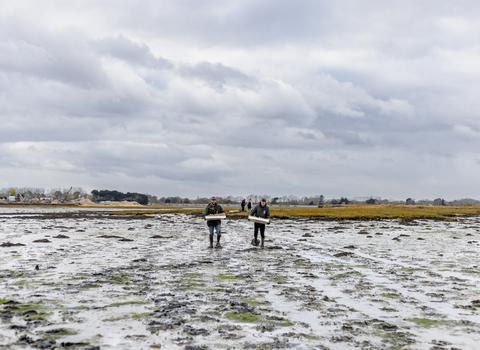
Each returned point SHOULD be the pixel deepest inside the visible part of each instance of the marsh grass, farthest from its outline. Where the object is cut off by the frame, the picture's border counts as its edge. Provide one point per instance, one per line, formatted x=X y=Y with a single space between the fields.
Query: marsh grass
x=346 y=212
x=373 y=212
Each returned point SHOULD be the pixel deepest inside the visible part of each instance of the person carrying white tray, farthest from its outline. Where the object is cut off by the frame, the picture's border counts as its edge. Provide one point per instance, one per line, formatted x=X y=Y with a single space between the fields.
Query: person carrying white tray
x=261 y=211
x=213 y=209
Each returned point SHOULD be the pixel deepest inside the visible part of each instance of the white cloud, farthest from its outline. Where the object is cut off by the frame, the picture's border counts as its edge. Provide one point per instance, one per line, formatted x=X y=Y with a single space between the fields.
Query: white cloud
x=174 y=97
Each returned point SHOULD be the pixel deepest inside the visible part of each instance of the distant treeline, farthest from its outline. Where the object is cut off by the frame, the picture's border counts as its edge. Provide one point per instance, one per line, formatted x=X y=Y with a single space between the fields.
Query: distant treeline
x=284 y=200
x=312 y=200
x=116 y=196
x=30 y=194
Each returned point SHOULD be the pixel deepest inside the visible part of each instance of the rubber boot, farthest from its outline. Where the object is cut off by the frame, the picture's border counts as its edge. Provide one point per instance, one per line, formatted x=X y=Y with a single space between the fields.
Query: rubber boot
x=261 y=244
x=218 y=242
x=211 y=242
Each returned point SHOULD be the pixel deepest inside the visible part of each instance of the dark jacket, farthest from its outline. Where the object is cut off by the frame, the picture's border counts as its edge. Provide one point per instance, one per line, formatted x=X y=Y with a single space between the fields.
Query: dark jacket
x=261 y=212
x=209 y=210
x=249 y=205
x=243 y=204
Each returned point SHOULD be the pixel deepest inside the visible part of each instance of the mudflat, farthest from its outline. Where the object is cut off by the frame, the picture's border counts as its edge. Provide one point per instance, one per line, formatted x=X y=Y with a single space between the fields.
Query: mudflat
x=86 y=279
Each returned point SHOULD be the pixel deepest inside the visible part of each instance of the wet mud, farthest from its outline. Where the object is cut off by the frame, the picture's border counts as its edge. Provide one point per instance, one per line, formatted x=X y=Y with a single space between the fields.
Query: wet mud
x=89 y=280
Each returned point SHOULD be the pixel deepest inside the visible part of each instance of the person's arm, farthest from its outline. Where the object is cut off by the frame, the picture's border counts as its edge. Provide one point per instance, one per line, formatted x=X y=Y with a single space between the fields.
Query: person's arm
x=220 y=209
x=268 y=213
x=205 y=212
x=254 y=211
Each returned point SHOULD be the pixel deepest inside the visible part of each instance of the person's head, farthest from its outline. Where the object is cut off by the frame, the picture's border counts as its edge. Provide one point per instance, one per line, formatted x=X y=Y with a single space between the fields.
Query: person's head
x=263 y=202
x=213 y=200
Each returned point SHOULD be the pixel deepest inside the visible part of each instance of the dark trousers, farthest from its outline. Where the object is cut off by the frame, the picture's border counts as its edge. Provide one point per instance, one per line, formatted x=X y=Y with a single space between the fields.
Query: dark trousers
x=262 y=230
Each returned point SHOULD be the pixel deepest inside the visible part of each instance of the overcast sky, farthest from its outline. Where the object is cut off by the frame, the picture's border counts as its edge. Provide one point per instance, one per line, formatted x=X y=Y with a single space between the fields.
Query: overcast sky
x=200 y=98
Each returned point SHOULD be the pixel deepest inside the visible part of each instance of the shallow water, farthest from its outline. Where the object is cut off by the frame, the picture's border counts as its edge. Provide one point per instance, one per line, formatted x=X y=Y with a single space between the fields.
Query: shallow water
x=324 y=285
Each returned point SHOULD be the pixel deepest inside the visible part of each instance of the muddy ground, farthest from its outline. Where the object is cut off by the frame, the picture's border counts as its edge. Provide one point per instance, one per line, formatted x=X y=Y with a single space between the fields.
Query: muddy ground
x=77 y=279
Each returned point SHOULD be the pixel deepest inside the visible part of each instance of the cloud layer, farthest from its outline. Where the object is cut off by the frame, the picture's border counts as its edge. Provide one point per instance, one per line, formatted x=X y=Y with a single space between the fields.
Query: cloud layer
x=174 y=98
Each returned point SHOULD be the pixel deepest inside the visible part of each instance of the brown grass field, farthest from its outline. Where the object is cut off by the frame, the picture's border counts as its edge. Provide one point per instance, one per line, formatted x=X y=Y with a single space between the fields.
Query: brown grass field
x=346 y=212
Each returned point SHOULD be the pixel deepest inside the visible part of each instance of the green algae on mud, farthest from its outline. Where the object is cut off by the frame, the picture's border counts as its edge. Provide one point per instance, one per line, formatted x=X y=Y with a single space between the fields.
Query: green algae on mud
x=253 y=302
x=133 y=316
x=127 y=303
x=58 y=333
x=114 y=319
x=391 y=295
x=285 y=323
x=38 y=316
x=142 y=315
x=345 y=275
x=428 y=323
x=229 y=277
x=242 y=317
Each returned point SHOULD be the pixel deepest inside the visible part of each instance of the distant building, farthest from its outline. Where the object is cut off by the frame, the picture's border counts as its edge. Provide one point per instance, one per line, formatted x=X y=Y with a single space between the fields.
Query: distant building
x=46 y=198
x=11 y=198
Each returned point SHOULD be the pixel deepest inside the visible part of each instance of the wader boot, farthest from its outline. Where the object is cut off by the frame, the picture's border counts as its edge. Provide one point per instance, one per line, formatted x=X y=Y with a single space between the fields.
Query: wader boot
x=218 y=242
x=211 y=242
x=254 y=242
x=261 y=244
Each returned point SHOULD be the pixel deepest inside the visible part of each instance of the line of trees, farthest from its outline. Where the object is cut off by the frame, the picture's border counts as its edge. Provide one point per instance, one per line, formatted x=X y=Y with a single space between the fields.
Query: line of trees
x=285 y=200
x=116 y=196
x=73 y=193
x=30 y=193
x=312 y=200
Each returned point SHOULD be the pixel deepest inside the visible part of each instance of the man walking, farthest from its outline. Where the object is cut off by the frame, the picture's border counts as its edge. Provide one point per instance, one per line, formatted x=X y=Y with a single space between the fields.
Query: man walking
x=261 y=211
x=212 y=209
x=243 y=205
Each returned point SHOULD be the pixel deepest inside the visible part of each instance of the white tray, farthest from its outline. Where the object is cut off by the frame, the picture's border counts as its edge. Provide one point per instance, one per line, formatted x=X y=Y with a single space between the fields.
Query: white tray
x=259 y=220
x=215 y=217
